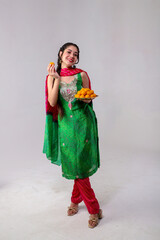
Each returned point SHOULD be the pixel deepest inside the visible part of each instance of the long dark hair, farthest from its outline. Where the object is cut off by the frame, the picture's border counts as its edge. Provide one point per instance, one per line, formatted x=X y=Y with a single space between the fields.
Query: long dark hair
x=58 y=70
x=62 y=50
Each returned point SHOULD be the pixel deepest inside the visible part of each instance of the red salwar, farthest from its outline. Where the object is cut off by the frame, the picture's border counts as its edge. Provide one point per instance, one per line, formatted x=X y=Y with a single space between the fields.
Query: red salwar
x=82 y=191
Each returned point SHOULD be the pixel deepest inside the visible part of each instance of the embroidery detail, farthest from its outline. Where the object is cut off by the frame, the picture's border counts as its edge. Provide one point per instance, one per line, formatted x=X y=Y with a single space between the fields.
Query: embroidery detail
x=68 y=90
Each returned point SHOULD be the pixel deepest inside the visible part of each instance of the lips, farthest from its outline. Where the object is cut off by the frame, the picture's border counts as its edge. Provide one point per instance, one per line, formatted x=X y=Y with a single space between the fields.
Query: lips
x=70 y=60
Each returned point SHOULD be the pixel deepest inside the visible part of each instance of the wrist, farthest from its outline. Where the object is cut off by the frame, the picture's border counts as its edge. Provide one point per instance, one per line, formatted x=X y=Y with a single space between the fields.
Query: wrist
x=51 y=76
x=57 y=79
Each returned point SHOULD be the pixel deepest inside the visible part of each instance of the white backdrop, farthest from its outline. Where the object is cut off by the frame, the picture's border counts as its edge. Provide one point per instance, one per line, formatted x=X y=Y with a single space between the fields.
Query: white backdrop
x=119 y=48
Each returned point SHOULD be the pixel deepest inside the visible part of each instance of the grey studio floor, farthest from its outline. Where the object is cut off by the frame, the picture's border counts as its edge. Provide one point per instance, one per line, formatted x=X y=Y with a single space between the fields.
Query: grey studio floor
x=34 y=200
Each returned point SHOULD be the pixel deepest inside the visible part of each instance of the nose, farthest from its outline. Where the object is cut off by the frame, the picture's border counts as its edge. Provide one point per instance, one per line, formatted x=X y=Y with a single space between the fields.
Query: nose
x=72 y=55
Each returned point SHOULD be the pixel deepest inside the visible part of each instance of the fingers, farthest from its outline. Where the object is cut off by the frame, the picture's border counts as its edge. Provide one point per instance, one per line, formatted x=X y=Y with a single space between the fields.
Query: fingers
x=51 y=69
x=86 y=101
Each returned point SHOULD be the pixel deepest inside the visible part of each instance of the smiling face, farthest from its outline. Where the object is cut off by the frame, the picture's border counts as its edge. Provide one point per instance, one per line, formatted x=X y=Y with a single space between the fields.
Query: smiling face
x=69 y=57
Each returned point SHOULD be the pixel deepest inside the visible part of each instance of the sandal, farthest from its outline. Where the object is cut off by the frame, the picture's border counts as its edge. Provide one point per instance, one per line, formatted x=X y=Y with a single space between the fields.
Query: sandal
x=93 y=220
x=72 y=210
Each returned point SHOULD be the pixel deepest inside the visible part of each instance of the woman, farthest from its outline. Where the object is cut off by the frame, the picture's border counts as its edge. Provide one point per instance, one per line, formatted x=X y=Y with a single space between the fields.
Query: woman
x=71 y=136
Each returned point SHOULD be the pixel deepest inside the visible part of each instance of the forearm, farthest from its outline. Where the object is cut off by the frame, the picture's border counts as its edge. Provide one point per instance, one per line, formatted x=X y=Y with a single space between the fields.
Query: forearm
x=85 y=84
x=53 y=87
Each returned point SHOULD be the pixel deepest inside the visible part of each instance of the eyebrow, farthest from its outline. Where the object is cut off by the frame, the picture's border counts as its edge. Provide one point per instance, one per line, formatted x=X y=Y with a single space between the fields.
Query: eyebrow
x=71 y=50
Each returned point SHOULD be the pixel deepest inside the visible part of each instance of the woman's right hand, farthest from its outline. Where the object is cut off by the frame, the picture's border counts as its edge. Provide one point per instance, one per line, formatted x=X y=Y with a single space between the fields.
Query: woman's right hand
x=52 y=72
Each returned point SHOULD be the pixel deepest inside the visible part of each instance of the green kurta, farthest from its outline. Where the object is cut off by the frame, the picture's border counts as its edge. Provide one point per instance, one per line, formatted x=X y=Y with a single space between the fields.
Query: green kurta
x=78 y=134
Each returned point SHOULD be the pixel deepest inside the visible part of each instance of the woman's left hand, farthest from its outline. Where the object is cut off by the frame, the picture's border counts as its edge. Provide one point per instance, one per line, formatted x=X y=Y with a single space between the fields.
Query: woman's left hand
x=86 y=101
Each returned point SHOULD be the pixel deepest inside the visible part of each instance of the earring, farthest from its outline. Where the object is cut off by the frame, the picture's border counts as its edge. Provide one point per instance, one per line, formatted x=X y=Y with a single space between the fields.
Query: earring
x=60 y=61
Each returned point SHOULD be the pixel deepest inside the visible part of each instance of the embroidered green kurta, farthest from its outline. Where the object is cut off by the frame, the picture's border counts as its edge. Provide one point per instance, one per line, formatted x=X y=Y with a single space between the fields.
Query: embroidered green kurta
x=77 y=133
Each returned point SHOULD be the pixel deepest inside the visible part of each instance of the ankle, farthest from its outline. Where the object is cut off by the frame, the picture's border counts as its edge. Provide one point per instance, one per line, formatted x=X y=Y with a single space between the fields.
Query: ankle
x=94 y=215
x=74 y=204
